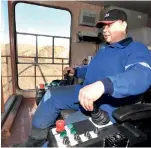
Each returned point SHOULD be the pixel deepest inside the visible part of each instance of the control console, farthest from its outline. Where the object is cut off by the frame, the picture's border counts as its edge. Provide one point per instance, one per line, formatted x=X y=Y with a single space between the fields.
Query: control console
x=97 y=131
x=74 y=134
x=87 y=134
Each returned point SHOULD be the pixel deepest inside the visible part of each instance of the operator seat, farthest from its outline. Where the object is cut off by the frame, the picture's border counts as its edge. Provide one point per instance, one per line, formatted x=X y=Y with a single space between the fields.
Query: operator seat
x=147 y=96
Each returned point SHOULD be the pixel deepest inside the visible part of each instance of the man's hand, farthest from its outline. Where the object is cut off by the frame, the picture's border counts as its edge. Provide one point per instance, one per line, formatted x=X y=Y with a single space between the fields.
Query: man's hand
x=90 y=94
x=66 y=69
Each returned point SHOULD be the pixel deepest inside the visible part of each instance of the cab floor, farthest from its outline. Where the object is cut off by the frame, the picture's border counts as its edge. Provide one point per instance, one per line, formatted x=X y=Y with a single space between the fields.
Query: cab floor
x=22 y=124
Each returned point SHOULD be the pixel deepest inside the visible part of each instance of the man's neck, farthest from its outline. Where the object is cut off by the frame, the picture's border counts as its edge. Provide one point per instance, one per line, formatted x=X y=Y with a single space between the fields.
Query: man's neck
x=120 y=39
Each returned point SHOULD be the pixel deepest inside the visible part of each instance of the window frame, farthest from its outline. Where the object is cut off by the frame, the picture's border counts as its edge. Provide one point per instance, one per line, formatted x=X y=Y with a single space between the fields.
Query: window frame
x=15 y=36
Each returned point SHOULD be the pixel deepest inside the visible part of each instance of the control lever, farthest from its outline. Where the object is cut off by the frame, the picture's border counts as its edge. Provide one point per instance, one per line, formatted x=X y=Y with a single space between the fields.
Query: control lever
x=68 y=79
x=66 y=75
x=99 y=116
x=95 y=108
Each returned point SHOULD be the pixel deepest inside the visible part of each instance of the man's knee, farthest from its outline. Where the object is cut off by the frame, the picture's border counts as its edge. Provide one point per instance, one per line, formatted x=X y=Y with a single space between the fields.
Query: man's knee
x=47 y=95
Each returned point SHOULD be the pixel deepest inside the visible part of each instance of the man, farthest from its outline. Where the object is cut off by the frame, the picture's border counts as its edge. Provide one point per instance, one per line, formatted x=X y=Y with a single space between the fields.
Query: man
x=116 y=75
x=85 y=62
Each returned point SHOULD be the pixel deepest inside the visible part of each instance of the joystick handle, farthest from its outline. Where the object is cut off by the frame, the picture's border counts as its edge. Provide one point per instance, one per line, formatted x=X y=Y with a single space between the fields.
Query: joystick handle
x=69 y=79
x=99 y=116
x=66 y=75
x=95 y=108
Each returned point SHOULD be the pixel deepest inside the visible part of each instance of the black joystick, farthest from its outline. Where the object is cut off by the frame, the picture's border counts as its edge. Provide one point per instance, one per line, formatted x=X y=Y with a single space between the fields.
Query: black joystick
x=66 y=75
x=68 y=79
x=99 y=117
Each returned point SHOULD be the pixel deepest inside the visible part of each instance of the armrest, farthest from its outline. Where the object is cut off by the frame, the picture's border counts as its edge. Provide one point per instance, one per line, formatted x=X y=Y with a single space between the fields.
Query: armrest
x=132 y=112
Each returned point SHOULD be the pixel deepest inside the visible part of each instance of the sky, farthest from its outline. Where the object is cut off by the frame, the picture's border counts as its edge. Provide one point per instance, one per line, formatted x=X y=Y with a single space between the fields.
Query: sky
x=40 y=20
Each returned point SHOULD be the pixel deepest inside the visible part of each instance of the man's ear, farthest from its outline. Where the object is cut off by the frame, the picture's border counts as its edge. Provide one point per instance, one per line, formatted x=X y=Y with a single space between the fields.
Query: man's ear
x=124 y=25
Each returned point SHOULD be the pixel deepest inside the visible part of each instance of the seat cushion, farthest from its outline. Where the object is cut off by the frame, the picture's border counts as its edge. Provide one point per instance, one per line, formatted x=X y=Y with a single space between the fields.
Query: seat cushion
x=66 y=113
x=72 y=116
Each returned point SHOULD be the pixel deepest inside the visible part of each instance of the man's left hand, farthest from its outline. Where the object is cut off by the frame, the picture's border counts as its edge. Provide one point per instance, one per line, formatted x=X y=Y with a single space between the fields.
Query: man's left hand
x=90 y=94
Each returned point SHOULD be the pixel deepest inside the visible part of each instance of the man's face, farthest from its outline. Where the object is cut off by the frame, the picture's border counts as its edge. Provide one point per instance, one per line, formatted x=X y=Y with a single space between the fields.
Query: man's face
x=114 y=32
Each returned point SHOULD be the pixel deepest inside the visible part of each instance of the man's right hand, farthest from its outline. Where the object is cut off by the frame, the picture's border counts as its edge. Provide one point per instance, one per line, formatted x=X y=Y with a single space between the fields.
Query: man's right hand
x=66 y=69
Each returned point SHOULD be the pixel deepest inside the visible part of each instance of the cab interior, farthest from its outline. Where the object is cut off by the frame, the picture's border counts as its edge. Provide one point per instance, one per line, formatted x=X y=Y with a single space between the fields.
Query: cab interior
x=37 y=46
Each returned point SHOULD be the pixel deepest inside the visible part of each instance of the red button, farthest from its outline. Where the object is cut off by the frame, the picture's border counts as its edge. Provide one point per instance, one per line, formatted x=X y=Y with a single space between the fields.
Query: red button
x=41 y=86
x=60 y=125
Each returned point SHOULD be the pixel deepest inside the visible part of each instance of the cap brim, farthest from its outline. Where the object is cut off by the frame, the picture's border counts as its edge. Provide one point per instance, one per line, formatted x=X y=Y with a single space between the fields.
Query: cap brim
x=101 y=23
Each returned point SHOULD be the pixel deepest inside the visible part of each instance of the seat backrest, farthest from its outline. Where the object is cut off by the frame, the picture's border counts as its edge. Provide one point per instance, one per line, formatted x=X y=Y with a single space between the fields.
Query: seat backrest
x=142 y=35
x=147 y=96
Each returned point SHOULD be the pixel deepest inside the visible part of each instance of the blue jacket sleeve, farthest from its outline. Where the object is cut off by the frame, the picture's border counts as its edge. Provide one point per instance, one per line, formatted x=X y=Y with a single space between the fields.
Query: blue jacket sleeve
x=137 y=76
x=134 y=81
x=81 y=71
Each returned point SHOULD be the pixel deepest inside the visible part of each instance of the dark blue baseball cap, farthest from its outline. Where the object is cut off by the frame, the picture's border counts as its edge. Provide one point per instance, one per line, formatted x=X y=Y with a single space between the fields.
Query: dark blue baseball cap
x=111 y=17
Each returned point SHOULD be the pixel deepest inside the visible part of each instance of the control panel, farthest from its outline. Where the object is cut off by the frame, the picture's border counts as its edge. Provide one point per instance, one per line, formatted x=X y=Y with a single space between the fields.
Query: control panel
x=74 y=134
x=70 y=136
x=97 y=131
x=87 y=134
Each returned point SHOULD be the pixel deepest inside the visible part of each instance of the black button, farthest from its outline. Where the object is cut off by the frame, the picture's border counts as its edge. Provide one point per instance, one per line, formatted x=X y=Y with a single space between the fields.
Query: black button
x=118 y=136
x=96 y=131
x=66 y=140
x=87 y=134
x=77 y=138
